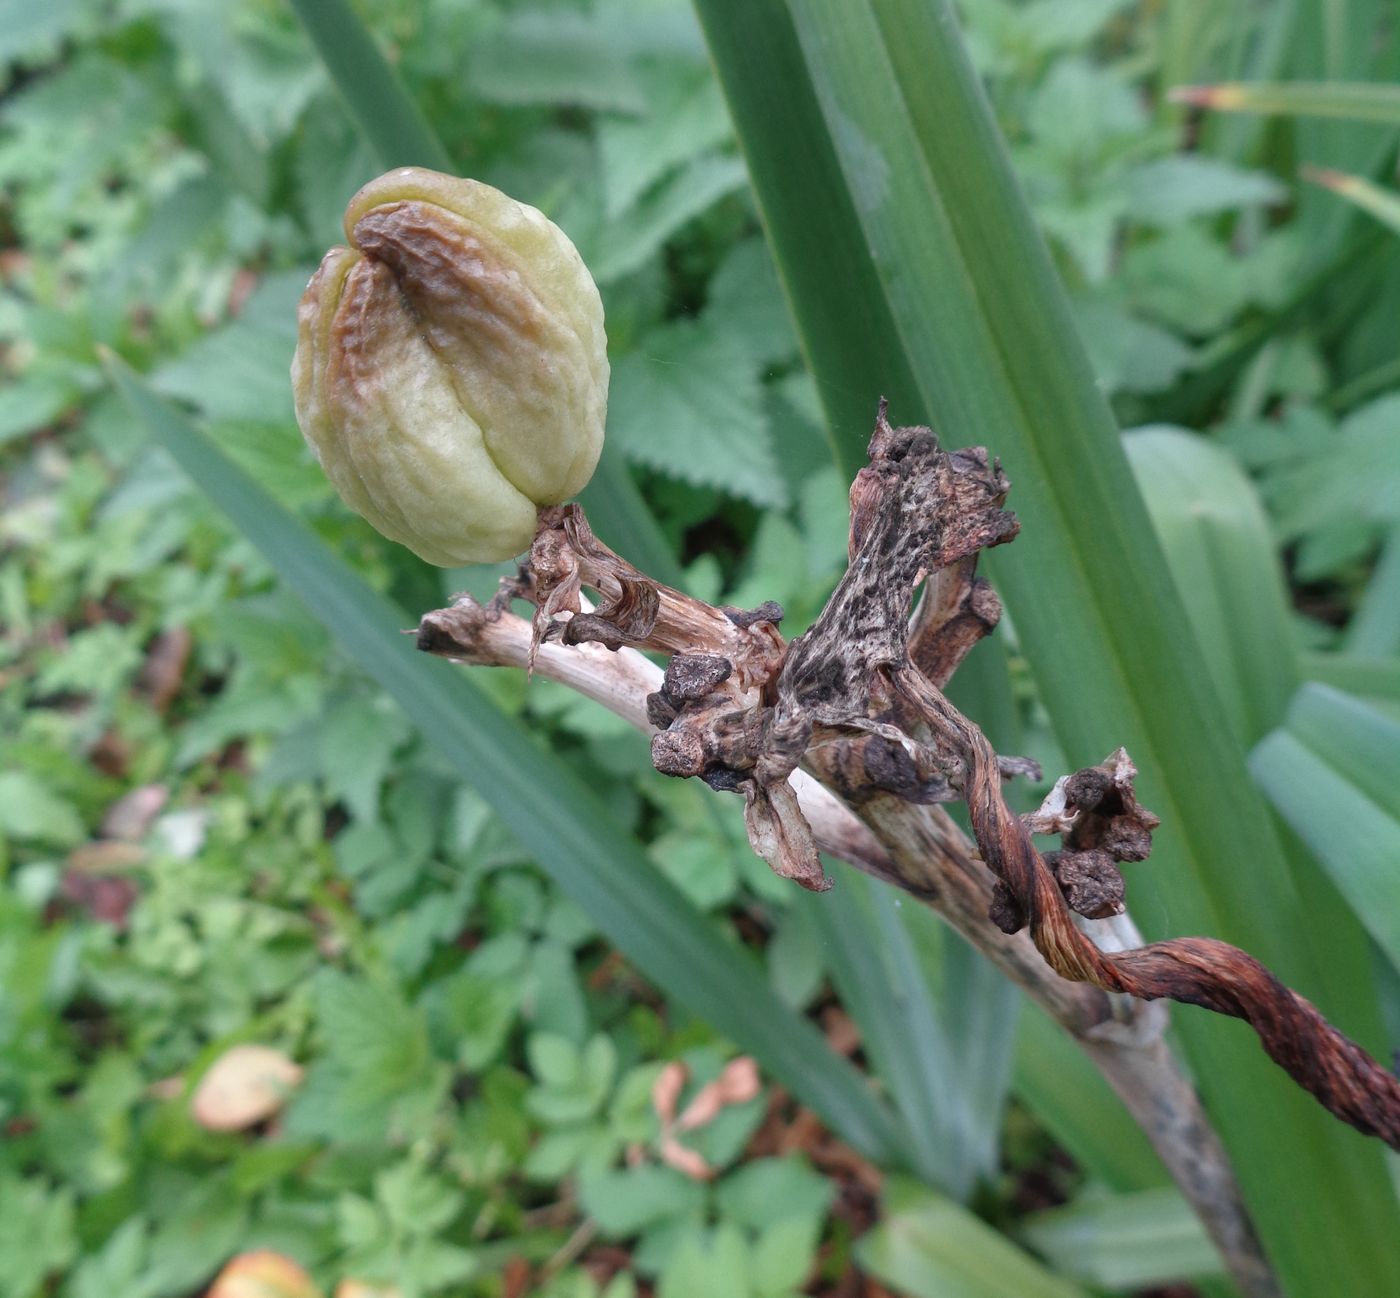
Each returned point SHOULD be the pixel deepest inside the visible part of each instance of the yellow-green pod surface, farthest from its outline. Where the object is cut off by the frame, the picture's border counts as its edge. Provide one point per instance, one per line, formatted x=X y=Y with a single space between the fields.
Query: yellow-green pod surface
x=451 y=369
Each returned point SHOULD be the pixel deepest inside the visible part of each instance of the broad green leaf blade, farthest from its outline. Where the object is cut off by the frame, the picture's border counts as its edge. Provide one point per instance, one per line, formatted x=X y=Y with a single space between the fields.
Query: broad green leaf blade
x=1219 y=547
x=903 y=177
x=927 y=1246
x=1374 y=679
x=1333 y=773
x=1125 y=1241
x=810 y=215
x=553 y=813
x=383 y=112
x=877 y=973
x=1352 y=101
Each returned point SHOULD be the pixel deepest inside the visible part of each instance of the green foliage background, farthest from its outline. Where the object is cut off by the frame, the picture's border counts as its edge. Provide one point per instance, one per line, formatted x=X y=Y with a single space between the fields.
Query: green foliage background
x=314 y=875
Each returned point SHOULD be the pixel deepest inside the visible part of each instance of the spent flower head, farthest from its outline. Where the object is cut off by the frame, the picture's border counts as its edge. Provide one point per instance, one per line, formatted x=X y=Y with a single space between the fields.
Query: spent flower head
x=451 y=369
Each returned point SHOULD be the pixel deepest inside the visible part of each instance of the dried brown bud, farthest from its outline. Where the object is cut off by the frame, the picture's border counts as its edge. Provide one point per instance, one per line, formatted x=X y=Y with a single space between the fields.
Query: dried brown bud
x=451 y=370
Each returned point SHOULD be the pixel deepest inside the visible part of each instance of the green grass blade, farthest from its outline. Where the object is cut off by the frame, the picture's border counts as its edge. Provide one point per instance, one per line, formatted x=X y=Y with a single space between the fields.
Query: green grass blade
x=1351 y=101
x=550 y=809
x=952 y=264
x=384 y=114
x=1383 y=204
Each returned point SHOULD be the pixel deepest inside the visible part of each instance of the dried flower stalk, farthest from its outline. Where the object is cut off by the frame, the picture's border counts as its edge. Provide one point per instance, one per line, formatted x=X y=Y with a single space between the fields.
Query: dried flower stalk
x=857 y=702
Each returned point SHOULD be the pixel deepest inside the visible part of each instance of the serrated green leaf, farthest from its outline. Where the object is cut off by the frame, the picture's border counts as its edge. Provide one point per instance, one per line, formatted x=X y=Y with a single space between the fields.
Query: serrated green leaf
x=1049 y=25
x=613 y=249
x=626 y=1202
x=33 y=401
x=470 y=1016
x=1186 y=280
x=36 y=1232
x=240 y=371
x=765 y=1191
x=255 y=58
x=684 y=118
x=745 y=301
x=332 y=161
x=1129 y=354
x=557 y=57
x=117 y=1267
x=1080 y=106
x=31 y=811
x=377 y=1070
x=35 y=32
x=1168 y=190
x=357 y=743
x=414 y=1200
x=688 y=403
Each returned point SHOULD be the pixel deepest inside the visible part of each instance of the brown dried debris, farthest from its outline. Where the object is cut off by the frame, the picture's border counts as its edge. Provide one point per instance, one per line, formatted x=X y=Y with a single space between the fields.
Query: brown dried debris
x=857 y=700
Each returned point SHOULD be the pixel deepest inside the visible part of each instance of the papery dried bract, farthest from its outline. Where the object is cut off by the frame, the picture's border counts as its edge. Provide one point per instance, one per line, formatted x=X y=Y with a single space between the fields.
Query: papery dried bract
x=451 y=369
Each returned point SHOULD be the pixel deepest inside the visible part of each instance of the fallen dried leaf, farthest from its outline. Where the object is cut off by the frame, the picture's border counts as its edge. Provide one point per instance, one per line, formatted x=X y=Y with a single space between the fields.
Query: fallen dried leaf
x=666 y=1091
x=246 y=1085
x=685 y=1159
x=739 y=1082
x=263 y=1275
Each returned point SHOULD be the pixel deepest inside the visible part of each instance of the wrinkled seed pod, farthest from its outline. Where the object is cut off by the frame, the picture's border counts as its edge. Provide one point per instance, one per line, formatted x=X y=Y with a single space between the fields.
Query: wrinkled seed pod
x=451 y=369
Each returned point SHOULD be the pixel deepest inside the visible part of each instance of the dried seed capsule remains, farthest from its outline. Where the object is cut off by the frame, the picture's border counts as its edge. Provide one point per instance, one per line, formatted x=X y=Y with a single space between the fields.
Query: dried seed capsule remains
x=451 y=368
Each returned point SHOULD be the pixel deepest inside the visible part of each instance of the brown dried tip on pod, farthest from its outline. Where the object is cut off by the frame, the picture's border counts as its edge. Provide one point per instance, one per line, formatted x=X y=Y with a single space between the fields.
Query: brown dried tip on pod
x=451 y=370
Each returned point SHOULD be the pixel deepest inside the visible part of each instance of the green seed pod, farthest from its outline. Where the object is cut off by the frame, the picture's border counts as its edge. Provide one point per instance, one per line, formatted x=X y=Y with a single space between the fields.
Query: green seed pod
x=451 y=370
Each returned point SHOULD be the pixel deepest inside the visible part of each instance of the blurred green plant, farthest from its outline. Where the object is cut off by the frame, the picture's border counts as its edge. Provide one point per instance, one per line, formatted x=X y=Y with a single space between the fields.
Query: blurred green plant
x=214 y=829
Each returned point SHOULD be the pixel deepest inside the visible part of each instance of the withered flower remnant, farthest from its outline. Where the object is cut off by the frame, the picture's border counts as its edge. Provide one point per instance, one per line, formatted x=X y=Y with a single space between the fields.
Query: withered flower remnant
x=451 y=369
